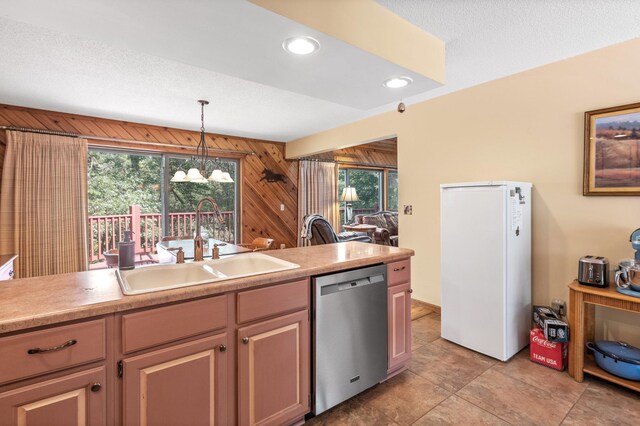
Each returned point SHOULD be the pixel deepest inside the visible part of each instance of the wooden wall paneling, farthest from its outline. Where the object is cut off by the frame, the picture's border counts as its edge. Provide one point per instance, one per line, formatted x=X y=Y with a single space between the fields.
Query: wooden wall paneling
x=383 y=152
x=260 y=213
x=260 y=201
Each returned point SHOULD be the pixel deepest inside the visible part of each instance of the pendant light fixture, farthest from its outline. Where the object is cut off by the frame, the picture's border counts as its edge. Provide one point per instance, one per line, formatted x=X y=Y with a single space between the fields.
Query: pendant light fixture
x=202 y=156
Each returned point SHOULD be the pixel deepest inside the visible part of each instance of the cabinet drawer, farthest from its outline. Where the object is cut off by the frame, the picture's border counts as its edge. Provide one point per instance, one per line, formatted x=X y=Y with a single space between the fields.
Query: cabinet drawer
x=399 y=272
x=265 y=302
x=38 y=352
x=154 y=327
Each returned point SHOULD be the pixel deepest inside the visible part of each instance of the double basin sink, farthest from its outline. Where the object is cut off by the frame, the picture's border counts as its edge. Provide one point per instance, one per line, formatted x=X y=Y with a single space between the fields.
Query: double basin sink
x=152 y=278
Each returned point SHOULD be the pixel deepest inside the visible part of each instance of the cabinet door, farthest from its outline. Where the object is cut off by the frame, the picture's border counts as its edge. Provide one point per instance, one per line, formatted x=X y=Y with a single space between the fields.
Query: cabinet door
x=180 y=385
x=76 y=399
x=273 y=370
x=399 y=325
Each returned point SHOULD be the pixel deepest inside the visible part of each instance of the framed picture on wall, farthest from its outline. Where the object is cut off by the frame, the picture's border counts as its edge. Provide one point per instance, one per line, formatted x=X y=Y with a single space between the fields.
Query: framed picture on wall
x=612 y=151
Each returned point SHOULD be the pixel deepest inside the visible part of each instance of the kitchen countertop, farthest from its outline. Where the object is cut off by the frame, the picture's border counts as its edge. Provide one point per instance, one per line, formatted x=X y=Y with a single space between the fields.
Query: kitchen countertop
x=33 y=302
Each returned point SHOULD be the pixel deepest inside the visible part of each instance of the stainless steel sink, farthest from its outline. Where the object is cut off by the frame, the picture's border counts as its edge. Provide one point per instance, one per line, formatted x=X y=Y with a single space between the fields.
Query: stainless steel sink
x=147 y=279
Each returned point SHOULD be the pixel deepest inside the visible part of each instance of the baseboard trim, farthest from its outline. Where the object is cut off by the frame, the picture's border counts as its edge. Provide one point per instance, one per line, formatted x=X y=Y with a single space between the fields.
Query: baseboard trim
x=420 y=309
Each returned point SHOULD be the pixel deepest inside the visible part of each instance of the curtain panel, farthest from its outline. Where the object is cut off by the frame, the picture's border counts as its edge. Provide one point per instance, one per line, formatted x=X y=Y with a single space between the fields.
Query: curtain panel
x=317 y=193
x=43 y=203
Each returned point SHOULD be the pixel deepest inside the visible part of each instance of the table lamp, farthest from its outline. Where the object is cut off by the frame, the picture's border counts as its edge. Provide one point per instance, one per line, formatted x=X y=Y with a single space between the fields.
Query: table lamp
x=348 y=196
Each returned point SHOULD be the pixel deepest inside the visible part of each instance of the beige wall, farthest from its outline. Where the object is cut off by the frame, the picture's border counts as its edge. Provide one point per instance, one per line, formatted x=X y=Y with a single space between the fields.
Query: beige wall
x=526 y=127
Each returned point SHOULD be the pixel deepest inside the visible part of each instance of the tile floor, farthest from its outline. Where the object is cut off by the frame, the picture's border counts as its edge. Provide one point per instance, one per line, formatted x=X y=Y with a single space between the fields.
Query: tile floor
x=448 y=384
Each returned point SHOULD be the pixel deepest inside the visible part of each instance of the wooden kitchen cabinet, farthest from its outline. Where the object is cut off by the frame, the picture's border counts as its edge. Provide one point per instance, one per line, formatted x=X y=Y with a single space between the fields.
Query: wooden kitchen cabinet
x=273 y=370
x=399 y=315
x=183 y=384
x=74 y=399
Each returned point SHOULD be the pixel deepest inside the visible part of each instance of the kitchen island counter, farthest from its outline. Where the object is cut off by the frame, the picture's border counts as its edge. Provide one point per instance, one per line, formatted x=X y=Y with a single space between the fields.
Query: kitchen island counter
x=39 y=301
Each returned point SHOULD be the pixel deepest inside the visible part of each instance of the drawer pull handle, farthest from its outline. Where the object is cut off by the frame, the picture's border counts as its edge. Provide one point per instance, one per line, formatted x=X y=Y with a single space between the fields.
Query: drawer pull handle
x=54 y=348
x=96 y=387
x=399 y=269
x=410 y=290
x=245 y=340
x=223 y=348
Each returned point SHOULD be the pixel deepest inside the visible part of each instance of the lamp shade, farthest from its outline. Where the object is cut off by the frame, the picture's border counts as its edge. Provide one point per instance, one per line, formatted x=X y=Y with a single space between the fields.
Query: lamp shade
x=216 y=175
x=226 y=177
x=194 y=175
x=179 y=176
x=349 y=194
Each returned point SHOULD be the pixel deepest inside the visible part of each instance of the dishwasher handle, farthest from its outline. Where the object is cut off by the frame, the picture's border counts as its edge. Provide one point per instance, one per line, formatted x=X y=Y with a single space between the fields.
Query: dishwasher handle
x=331 y=288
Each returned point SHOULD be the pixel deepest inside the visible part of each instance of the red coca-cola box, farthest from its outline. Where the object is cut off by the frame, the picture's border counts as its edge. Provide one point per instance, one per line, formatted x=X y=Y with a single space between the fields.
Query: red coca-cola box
x=550 y=354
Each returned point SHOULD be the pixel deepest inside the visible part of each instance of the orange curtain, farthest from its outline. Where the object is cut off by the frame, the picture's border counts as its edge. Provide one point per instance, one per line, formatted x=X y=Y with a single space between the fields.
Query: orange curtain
x=318 y=193
x=43 y=203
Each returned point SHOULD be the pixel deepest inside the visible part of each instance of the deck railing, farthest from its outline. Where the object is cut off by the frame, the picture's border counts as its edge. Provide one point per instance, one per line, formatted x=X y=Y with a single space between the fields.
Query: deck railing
x=106 y=231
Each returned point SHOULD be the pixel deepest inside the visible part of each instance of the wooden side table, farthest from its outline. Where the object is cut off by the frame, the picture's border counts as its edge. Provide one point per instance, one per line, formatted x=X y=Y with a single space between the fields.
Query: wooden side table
x=582 y=303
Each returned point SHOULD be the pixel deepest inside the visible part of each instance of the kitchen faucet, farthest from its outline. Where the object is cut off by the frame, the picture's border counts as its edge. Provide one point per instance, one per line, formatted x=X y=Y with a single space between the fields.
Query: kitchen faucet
x=198 y=243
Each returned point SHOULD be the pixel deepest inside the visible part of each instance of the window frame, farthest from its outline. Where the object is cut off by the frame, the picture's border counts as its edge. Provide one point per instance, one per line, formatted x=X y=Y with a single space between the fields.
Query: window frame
x=164 y=178
x=383 y=182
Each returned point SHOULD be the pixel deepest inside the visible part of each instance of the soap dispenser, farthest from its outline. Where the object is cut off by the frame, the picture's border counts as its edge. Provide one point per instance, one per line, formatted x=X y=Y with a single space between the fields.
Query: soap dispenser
x=126 y=252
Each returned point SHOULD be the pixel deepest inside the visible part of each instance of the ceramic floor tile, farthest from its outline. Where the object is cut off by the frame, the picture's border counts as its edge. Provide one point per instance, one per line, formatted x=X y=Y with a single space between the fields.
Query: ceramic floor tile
x=515 y=401
x=461 y=350
x=456 y=411
x=449 y=368
x=351 y=413
x=604 y=403
x=404 y=398
x=545 y=378
x=416 y=343
x=523 y=353
x=425 y=330
x=585 y=416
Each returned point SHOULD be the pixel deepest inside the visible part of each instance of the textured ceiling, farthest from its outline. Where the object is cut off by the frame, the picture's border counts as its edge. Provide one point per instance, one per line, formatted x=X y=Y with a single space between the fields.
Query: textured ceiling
x=149 y=62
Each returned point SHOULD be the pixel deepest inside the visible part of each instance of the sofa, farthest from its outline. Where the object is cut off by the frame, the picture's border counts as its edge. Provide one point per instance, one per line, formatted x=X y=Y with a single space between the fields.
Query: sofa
x=386 y=223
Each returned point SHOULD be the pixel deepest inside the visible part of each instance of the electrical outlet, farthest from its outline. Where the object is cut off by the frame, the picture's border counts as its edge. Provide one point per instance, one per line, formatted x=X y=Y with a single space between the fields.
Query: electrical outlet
x=281 y=207
x=560 y=306
x=282 y=246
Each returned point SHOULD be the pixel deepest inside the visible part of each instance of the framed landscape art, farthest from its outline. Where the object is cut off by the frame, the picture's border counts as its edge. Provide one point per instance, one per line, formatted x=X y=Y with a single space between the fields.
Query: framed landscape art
x=612 y=151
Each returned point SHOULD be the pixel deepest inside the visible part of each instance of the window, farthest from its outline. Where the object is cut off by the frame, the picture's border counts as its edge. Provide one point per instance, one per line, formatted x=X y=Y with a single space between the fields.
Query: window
x=183 y=197
x=131 y=190
x=370 y=186
x=392 y=190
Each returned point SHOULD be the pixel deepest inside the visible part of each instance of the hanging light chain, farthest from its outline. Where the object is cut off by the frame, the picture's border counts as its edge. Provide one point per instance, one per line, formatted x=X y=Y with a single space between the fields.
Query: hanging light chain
x=202 y=149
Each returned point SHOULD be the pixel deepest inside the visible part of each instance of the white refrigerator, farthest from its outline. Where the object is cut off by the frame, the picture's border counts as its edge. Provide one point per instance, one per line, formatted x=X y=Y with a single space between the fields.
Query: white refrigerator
x=486 y=266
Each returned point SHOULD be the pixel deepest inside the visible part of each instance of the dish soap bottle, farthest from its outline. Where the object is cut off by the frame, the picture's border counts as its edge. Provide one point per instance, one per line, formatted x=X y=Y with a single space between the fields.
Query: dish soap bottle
x=126 y=252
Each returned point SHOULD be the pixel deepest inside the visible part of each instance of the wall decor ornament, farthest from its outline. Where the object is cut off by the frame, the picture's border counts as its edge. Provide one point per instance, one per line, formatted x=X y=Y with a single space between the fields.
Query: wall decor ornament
x=271 y=176
x=612 y=151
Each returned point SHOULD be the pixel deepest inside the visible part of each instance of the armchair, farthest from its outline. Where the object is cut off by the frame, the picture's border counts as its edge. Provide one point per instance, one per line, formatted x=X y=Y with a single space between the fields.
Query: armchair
x=321 y=232
x=386 y=223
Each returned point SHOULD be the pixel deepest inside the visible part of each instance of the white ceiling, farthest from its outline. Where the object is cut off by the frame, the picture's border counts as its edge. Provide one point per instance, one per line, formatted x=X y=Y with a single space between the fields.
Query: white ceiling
x=148 y=61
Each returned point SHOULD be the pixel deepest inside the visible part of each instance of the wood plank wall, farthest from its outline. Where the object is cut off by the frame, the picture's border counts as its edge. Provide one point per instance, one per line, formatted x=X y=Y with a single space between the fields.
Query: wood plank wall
x=260 y=201
x=383 y=152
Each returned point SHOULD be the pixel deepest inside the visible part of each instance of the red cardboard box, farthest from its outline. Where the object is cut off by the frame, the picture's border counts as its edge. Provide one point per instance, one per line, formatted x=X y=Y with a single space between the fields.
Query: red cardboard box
x=542 y=351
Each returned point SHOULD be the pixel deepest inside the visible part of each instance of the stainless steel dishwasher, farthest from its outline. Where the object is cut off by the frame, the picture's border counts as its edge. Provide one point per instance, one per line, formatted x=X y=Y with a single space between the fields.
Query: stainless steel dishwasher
x=350 y=334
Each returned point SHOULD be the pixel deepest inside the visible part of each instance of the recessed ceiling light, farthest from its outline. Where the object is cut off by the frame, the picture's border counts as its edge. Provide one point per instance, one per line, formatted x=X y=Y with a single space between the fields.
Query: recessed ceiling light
x=301 y=45
x=397 y=82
